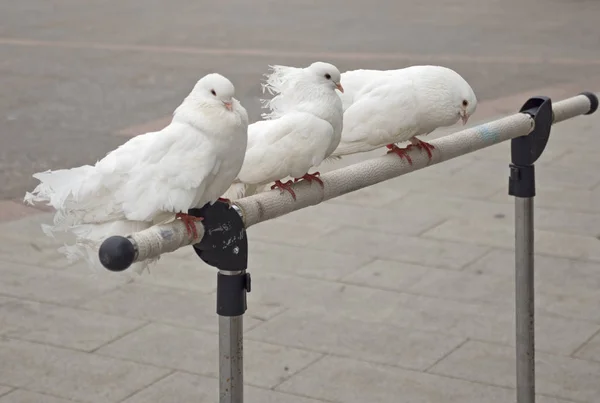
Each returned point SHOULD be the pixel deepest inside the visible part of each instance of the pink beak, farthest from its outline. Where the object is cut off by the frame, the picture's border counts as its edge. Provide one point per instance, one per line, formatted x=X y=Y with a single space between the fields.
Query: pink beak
x=464 y=118
x=339 y=87
x=228 y=106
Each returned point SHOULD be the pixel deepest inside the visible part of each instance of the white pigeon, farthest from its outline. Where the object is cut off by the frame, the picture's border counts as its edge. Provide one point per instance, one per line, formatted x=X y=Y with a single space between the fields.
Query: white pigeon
x=303 y=128
x=382 y=108
x=153 y=178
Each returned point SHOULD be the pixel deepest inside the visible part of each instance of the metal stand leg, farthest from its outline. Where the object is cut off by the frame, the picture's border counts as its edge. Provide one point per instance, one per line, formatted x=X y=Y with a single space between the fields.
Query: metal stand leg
x=524 y=295
x=231 y=359
x=225 y=247
x=231 y=305
x=525 y=151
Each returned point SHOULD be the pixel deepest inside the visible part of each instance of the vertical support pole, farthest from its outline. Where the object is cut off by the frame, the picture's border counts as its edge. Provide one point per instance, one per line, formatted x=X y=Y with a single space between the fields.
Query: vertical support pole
x=231 y=359
x=225 y=247
x=231 y=305
x=524 y=152
x=524 y=299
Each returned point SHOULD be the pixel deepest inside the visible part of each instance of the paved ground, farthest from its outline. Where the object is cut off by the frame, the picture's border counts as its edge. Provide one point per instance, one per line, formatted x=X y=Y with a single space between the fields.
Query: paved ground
x=399 y=293
x=402 y=292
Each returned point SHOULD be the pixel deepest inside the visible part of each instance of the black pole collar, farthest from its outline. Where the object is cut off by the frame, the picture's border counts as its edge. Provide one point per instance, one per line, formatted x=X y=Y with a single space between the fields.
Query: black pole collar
x=225 y=246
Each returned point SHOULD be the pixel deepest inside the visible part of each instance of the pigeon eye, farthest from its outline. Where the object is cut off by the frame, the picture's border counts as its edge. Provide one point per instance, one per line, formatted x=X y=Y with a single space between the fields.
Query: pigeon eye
x=327 y=76
x=465 y=103
x=213 y=92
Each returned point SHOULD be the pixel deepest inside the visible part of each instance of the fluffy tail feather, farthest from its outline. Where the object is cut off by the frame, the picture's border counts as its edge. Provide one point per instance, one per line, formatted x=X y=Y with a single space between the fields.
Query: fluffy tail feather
x=57 y=187
x=77 y=196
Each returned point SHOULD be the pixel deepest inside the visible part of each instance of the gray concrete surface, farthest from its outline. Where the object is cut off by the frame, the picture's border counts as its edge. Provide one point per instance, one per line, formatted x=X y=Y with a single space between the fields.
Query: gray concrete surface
x=402 y=292
x=399 y=293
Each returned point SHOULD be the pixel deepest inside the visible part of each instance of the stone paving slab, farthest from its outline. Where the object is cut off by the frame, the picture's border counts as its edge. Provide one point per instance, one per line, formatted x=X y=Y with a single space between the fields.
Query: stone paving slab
x=183 y=387
x=567 y=287
x=566 y=221
x=326 y=298
x=558 y=376
x=24 y=396
x=492 y=233
x=161 y=304
x=591 y=351
x=268 y=364
x=330 y=217
x=38 y=284
x=480 y=321
x=584 y=160
x=352 y=338
x=453 y=255
x=352 y=381
x=324 y=264
x=70 y=374
x=61 y=326
x=5 y=390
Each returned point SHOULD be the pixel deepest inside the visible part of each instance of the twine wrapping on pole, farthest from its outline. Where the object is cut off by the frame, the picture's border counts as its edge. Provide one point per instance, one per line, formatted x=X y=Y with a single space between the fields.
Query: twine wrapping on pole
x=157 y=240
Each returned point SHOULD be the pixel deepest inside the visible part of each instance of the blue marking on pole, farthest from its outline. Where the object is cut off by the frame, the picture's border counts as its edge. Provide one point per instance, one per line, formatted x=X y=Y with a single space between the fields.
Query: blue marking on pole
x=489 y=136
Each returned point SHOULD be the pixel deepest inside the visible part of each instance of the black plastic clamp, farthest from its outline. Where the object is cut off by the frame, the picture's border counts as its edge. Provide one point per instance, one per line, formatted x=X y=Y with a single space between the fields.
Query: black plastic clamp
x=225 y=246
x=526 y=150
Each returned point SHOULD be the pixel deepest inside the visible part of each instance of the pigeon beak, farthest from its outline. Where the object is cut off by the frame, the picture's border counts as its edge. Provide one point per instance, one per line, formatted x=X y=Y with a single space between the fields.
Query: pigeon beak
x=339 y=87
x=228 y=105
x=464 y=117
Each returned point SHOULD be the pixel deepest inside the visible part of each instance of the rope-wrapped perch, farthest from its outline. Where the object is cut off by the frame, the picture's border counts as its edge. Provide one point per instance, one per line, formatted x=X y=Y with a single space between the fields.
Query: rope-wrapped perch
x=269 y=205
x=264 y=206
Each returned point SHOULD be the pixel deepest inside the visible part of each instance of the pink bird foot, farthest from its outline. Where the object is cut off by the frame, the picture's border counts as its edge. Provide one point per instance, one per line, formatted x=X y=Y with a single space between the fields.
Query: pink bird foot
x=312 y=177
x=422 y=145
x=401 y=152
x=190 y=223
x=285 y=186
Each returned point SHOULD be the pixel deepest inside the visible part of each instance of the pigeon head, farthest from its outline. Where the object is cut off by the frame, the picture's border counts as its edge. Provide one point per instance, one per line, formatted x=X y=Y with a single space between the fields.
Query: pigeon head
x=462 y=99
x=214 y=89
x=326 y=74
x=465 y=97
x=445 y=96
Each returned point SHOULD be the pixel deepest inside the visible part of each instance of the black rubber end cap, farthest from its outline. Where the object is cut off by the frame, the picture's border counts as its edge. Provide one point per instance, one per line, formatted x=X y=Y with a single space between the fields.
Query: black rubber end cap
x=116 y=253
x=593 y=102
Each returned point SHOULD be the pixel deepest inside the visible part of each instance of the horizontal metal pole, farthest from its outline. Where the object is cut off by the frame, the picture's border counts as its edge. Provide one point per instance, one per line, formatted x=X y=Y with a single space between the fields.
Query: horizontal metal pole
x=268 y=205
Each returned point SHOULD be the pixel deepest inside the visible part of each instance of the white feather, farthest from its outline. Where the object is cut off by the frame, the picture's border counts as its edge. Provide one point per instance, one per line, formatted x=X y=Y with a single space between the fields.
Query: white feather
x=302 y=129
x=151 y=177
x=387 y=107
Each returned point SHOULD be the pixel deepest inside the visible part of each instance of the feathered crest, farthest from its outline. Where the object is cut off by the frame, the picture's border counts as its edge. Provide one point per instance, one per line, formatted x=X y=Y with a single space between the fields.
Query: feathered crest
x=280 y=83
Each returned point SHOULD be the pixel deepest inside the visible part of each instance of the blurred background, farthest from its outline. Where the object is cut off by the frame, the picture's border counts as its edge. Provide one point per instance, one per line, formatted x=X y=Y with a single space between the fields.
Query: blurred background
x=79 y=77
